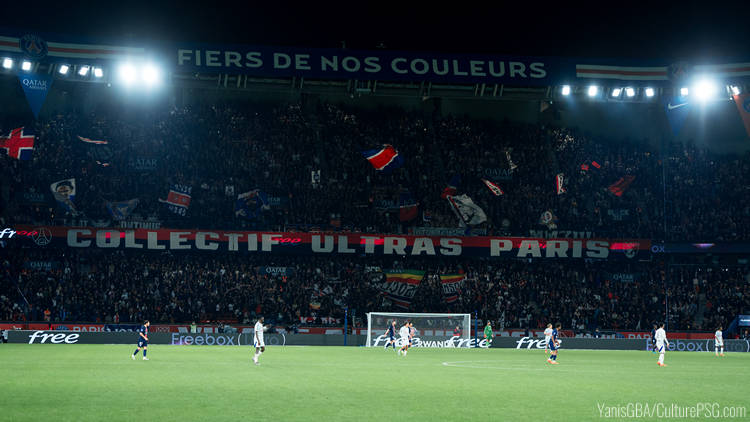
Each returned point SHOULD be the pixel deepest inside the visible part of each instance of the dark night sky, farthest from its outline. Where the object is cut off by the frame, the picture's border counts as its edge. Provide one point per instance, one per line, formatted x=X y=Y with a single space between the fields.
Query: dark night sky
x=690 y=30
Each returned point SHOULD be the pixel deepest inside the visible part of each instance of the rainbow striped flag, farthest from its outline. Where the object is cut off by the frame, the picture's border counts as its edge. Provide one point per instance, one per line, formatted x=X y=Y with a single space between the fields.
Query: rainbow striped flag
x=400 y=287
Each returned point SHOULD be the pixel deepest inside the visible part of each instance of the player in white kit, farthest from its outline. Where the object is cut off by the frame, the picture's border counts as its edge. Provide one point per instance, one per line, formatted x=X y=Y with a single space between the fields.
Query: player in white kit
x=661 y=344
x=547 y=336
x=260 y=344
x=405 y=334
x=719 y=342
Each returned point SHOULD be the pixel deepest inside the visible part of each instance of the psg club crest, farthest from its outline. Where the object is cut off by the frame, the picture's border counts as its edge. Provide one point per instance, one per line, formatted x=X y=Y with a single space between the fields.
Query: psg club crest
x=679 y=71
x=33 y=46
x=43 y=237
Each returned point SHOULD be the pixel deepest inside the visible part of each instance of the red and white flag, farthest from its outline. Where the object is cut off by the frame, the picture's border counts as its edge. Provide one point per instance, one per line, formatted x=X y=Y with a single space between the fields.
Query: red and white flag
x=495 y=189
x=92 y=141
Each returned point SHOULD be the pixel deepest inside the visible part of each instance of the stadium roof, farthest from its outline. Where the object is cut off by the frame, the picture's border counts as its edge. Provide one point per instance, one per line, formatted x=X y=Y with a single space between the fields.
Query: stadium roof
x=691 y=30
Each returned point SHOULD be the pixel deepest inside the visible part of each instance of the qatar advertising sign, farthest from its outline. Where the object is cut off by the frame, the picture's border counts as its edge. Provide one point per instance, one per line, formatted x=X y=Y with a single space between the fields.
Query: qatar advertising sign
x=294 y=243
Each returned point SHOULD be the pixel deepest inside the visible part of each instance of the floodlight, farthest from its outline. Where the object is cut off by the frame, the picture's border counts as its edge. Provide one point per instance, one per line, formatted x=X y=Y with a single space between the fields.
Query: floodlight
x=150 y=74
x=83 y=70
x=566 y=90
x=63 y=69
x=127 y=74
x=735 y=90
x=7 y=63
x=684 y=91
x=593 y=90
x=649 y=92
x=630 y=92
x=26 y=65
x=705 y=89
x=98 y=73
x=616 y=92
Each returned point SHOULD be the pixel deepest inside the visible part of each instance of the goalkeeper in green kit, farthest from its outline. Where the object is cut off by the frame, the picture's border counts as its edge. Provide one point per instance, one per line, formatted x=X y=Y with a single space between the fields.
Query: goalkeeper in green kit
x=488 y=333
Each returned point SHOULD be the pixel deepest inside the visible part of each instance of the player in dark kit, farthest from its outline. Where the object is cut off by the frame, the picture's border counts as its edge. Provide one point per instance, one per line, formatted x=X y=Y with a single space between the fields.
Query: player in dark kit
x=554 y=344
x=142 y=340
x=391 y=333
x=653 y=339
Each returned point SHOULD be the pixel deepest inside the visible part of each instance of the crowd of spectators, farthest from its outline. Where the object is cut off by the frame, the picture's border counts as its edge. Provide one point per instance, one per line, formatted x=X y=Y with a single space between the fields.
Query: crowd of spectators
x=224 y=150
x=126 y=286
x=677 y=192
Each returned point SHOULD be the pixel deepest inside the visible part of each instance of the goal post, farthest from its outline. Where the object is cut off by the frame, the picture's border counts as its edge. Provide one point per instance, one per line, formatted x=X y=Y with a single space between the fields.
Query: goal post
x=432 y=330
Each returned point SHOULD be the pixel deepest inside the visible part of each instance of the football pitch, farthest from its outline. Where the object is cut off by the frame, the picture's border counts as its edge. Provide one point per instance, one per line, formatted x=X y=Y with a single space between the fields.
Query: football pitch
x=185 y=383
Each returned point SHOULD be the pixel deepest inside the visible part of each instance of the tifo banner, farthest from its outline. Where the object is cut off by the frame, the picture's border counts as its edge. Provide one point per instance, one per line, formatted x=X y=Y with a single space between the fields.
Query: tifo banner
x=295 y=243
x=36 y=87
x=401 y=286
x=452 y=285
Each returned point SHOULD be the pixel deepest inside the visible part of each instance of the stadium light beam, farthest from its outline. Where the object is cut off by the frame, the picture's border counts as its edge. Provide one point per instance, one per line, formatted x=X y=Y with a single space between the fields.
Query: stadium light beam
x=630 y=92
x=705 y=89
x=593 y=90
x=26 y=65
x=127 y=74
x=63 y=69
x=566 y=90
x=7 y=63
x=83 y=70
x=649 y=92
x=616 y=92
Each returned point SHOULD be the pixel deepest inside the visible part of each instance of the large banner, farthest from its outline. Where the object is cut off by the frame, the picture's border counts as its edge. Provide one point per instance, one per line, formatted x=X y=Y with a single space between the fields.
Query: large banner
x=368 y=65
x=294 y=243
x=400 y=287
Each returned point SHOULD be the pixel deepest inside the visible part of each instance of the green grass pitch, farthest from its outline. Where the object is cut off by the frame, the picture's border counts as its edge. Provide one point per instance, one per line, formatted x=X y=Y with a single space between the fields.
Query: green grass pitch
x=185 y=383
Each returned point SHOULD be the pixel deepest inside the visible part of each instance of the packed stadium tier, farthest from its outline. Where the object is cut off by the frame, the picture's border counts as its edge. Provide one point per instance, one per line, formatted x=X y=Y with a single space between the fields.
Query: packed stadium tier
x=130 y=286
x=327 y=167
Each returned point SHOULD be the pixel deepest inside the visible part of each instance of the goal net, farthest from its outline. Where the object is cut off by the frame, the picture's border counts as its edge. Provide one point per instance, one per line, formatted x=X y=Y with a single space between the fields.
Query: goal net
x=432 y=330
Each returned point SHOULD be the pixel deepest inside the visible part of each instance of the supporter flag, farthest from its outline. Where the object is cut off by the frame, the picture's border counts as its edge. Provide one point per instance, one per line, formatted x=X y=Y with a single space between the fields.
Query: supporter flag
x=452 y=187
x=548 y=219
x=18 y=144
x=385 y=159
x=250 y=204
x=400 y=287
x=559 y=181
x=36 y=87
x=408 y=207
x=495 y=189
x=91 y=141
x=743 y=105
x=178 y=199
x=467 y=211
x=595 y=164
x=315 y=306
x=64 y=192
x=122 y=209
x=677 y=108
x=619 y=187
x=452 y=285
